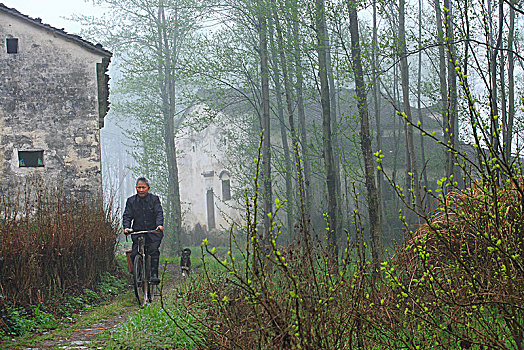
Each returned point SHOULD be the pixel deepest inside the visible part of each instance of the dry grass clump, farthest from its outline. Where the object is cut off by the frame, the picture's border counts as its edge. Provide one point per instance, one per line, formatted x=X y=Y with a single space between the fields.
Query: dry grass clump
x=50 y=245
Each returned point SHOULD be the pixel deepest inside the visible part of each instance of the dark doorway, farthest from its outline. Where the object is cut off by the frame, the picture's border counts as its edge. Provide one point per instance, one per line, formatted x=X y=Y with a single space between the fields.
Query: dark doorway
x=210 y=200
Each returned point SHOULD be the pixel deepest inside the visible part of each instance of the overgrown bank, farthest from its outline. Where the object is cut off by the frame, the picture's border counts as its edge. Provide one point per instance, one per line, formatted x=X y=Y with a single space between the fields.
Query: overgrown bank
x=50 y=249
x=457 y=283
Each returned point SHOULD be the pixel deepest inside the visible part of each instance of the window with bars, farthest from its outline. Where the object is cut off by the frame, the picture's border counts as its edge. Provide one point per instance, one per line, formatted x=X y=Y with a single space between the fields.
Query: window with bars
x=30 y=159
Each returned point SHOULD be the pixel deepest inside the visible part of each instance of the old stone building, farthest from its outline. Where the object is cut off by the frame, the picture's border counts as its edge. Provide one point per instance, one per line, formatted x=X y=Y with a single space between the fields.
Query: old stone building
x=206 y=186
x=53 y=100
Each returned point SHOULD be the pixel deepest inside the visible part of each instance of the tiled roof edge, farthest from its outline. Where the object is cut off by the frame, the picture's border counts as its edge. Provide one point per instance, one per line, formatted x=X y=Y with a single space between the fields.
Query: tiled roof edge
x=96 y=48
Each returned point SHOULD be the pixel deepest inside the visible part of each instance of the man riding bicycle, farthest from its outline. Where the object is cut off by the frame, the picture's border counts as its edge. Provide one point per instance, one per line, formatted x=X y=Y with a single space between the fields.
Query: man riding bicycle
x=144 y=212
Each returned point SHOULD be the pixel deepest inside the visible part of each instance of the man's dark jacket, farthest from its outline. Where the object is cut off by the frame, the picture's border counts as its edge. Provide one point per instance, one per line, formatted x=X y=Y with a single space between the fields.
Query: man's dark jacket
x=143 y=213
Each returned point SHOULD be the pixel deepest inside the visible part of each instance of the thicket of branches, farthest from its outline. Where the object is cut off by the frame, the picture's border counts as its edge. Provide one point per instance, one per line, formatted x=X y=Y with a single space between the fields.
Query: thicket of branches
x=51 y=245
x=456 y=283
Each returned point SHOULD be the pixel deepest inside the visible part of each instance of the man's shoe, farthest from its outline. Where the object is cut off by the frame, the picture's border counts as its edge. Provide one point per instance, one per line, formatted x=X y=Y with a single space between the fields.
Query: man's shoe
x=154 y=278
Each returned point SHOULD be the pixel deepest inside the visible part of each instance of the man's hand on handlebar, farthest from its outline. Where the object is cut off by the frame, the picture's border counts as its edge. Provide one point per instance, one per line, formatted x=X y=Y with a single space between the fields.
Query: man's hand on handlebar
x=128 y=231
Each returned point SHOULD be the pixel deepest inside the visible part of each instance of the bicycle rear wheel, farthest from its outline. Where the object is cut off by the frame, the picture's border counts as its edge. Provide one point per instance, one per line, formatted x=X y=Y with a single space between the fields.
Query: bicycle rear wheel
x=140 y=281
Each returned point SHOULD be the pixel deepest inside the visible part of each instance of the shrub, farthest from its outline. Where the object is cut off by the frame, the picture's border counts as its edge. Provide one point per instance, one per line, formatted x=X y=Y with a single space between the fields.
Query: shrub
x=50 y=245
x=461 y=274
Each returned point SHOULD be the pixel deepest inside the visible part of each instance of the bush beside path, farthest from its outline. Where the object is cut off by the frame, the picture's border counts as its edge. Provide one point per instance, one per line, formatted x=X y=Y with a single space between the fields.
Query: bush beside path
x=98 y=326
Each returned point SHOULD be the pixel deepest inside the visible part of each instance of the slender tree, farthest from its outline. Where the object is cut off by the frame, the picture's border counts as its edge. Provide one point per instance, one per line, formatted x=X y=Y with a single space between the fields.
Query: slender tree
x=167 y=60
x=365 y=137
x=329 y=163
x=377 y=111
x=451 y=121
x=266 y=122
x=301 y=114
x=419 y=92
x=508 y=135
x=290 y=114
x=283 y=135
x=404 y=72
x=443 y=83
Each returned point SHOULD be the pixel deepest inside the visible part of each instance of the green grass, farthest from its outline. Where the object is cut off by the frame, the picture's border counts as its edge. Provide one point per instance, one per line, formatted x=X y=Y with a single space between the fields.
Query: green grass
x=152 y=328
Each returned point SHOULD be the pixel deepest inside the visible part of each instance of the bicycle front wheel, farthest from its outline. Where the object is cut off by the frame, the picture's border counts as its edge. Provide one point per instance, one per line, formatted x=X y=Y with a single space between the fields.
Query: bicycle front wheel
x=140 y=283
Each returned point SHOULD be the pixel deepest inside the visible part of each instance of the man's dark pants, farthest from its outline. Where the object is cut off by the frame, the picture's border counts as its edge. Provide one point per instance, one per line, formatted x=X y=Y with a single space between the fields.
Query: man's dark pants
x=153 y=241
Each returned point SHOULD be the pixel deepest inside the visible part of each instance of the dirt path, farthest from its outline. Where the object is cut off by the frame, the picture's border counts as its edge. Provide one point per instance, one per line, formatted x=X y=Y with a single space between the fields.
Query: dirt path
x=84 y=338
x=93 y=328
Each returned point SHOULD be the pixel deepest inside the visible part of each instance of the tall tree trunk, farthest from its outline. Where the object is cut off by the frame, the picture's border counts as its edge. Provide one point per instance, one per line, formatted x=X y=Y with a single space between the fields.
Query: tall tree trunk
x=396 y=137
x=376 y=101
x=493 y=76
x=419 y=88
x=365 y=138
x=334 y=126
x=166 y=65
x=266 y=125
x=442 y=77
x=407 y=106
x=283 y=134
x=327 y=134
x=511 y=84
x=452 y=119
x=503 y=100
x=301 y=114
x=291 y=119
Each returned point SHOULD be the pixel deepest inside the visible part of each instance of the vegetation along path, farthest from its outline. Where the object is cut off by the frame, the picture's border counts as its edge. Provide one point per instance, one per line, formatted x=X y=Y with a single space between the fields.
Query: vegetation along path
x=97 y=326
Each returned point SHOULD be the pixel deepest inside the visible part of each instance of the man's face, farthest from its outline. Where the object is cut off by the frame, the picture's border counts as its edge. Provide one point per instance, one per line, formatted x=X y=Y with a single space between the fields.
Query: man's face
x=142 y=189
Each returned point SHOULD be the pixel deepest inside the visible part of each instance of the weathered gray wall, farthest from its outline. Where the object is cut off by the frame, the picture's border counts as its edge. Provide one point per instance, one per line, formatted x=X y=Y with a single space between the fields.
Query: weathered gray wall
x=48 y=101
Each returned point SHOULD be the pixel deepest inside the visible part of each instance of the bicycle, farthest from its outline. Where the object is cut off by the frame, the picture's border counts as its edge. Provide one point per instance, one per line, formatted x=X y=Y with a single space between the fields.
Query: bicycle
x=145 y=291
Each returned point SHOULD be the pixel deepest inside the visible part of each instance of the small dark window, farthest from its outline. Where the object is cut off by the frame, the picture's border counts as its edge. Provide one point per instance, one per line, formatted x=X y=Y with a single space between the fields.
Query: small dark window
x=12 y=45
x=30 y=159
x=226 y=190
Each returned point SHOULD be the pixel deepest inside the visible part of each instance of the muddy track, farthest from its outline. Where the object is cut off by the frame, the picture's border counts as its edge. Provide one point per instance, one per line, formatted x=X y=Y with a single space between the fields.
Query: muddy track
x=84 y=338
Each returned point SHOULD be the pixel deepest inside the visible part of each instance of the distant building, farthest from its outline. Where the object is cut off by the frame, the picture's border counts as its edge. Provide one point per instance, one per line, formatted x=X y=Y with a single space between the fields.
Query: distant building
x=53 y=100
x=206 y=188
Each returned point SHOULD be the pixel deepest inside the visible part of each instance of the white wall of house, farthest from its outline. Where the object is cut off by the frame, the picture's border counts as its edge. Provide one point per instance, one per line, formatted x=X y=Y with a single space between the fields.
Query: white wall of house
x=202 y=169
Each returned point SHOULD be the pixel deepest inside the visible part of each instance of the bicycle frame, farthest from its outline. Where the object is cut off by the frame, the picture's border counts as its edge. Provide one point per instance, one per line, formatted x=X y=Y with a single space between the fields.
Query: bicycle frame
x=142 y=271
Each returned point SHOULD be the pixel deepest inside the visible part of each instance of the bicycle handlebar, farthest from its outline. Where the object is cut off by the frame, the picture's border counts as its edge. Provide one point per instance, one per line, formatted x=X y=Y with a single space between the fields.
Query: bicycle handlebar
x=144 y=232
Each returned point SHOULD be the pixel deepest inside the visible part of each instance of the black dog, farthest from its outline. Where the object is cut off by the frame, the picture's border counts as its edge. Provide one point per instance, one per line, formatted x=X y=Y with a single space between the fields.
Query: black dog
x=185 y=262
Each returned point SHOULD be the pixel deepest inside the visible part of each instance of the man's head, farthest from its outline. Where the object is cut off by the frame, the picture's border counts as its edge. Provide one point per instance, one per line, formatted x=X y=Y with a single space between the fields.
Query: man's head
x=142 y=187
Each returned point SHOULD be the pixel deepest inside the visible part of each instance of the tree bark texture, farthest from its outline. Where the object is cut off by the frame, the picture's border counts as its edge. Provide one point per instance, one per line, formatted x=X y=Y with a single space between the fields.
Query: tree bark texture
x=301 y=114
x=451 y=122
x=283 y=134
x=266 y=124
x=404 y=72
x=327 y=134
x=442 y=76
x=168 y=91
x=511 y=84
x=365 y=138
